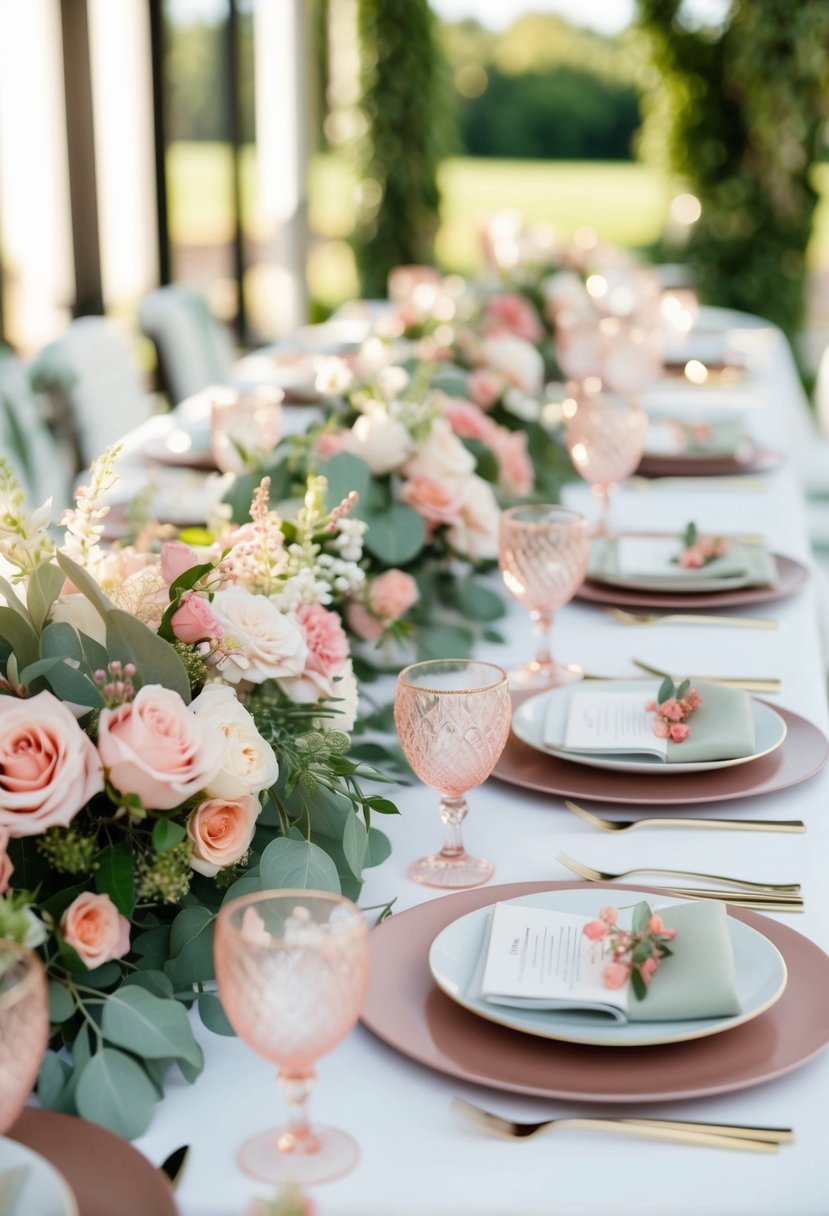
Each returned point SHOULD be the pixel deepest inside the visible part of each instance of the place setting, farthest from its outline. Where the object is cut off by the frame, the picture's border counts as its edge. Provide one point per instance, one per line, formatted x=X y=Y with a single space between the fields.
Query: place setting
x=702 y=446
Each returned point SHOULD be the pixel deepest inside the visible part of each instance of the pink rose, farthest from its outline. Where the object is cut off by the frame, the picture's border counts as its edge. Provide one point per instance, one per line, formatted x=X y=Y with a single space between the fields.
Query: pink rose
x=615 y=975
x=595 y=930
x=49 y=768
x=468 y=421
x=485 y=387
x=6 y=867
x=678 y=732
x=330 y=443
x=691 y=559
x=516 y=315
x=660 y=729
x=95 y=929
x=655 y=924
x=361 y=622
x=649 y=969
x=608 y=914
x=671 y=709
x=157 y=748
x=220 y=831
x=193 y=620
x=176 y=559
x=391 y=594
x=436 y=501
x=515 y=468
x=692 y=700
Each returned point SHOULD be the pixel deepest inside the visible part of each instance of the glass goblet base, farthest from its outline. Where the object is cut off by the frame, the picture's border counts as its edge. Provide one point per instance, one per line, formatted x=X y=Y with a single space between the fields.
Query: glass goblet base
x=451 y=873
x=336 y=1154
x=536 y=676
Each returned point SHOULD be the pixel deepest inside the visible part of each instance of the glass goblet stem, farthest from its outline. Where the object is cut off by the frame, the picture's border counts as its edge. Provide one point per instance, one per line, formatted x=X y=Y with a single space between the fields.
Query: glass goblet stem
x=296 y=1136
x=542 y=624
x=452 y=812
x=604 y=493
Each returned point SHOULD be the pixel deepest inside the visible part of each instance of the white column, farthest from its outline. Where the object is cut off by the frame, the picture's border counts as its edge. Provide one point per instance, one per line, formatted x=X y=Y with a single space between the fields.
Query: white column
x=282 y=155
x=119 y=36
x=34 y=174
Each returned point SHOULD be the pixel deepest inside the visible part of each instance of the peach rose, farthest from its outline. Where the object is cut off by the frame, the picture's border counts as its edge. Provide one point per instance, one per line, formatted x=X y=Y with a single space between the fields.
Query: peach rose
x=193 y=620
x=220 y=832
x=49 y=768
x=485 y=387
x=475 y=533
x=391 y=594
x=437 y=502
x=95 y=929
x=595 y=930
x=157 y=748
x=6 y=867
x=361 y=622
x=468 y=421
x=515 y=468
x=516 y=315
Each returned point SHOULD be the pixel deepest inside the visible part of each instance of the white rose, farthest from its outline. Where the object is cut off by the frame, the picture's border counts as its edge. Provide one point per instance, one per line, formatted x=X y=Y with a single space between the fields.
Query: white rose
x=382 y=442
x=475 y=534
x=76 y=610
x=442 y=456
x=517 y=361
x=348 y=696
x=250 y=764
x=258 y=641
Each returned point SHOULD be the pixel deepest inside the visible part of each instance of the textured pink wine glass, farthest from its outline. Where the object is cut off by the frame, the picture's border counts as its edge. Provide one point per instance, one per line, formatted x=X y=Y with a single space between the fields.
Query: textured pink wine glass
x=543 y=552
x=24 y=1027
x=605 y=439
x=453 y=719
x=292 y=968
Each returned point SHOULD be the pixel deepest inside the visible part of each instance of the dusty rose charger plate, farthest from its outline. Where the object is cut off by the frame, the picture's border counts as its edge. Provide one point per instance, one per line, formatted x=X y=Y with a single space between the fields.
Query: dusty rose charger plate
x=791 y=578
x=802 y=755
x=705 y=465
x=106 y=1174
x=408 y=1012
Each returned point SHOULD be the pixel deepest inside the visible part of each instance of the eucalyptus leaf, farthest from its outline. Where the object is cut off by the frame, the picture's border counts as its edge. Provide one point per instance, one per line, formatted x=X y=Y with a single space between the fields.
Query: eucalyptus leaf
x=155 y=982
x=477 y=601
x=379 y=847
x=71 y=684
x=60 y=641
x=114 y=1091
x=355 y=844
x=152 y=946
x=345 y=473
x=248 y=884
x=191 y=948
x=213 y=1015
x=667 y=689
x=21 y=636
x=148 y=1025
x=297 y=863
x=167 y=834
x=104 y=976
x=44 y=586
x=115 y=876
x=61 y=1002
x=84 y=583
x=129 y=640
x=51 y=1080
x=13 y=600
x=395 y=536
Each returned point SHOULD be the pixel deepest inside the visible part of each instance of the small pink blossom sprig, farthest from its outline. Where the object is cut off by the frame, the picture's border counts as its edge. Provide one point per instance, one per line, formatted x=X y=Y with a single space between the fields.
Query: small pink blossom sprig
x=672 y=706
x=698 y=550
x=634 y=954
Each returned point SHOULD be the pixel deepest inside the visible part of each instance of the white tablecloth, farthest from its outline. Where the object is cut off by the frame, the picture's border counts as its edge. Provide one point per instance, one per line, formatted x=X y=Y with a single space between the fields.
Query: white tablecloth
x=417 y=1157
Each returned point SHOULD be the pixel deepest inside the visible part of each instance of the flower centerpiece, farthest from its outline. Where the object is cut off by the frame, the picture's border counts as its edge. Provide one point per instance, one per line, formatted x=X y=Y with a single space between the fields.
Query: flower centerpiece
x=173 y=731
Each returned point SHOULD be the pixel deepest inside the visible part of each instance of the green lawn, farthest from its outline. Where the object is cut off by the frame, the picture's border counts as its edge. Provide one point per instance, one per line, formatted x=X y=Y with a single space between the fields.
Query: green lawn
x=624 y=202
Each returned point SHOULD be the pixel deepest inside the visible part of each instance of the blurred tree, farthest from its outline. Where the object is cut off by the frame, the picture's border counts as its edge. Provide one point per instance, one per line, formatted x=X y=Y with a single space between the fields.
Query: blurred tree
x=738 y=110
x=196 y=79
x=404 y=105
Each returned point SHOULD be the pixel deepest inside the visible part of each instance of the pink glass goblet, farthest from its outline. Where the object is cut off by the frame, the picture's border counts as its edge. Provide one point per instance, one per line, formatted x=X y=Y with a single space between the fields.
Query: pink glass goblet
x=630 y=355
x=605 y=439
x=292 y=968
x=24 y=1027
x=245 y=427
x=542 y=552
x=453 y=719
x=578 y=345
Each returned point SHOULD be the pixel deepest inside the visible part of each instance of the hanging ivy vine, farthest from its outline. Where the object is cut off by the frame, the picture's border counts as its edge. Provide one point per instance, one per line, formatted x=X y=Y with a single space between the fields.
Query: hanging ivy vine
x=738 y=111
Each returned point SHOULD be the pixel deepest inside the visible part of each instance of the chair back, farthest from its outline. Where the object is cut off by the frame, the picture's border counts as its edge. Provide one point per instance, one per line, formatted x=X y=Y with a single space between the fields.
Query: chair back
x=194 y=349
x=42 y=465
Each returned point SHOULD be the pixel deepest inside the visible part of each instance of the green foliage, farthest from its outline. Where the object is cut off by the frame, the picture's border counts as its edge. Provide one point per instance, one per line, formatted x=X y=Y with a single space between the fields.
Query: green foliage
x=738 y=111
x=402 y=102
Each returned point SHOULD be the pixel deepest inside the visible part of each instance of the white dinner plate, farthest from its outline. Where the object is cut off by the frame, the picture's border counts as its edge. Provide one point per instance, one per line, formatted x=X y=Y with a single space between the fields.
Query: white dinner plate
x=529 y=717
x=455 y=954
x=43 y=1192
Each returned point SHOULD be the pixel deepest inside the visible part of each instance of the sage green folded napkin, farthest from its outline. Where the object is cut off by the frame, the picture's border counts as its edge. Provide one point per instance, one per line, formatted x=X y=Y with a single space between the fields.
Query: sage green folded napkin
x=718 y=437
x=11 y=1184
x=697 y=979
x=722 y=728
x=742 y=566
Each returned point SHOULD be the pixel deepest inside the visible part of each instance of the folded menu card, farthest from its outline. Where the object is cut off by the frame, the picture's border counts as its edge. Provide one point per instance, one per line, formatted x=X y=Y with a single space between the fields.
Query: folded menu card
x=537 y=958
x=606 y=721
x=652 y=560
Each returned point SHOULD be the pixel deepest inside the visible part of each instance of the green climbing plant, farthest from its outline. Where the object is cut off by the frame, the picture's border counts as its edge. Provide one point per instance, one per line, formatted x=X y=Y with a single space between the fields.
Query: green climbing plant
x=738 y=111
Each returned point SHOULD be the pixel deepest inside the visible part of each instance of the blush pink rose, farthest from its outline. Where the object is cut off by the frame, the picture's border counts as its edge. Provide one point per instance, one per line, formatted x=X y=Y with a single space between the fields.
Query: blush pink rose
x=671 y=709
x=49 y=768
x=95 y=929
x=361 y=622
x=655 y=924
x=193 y=621
x=678 y=732
x=515 y=468
x=595 y=930
x=330 y=443
x=649 y=969
x=176 y=559
x=220 y=832
x=615 y=975
x=6 y=867
x=485 y=387
x=660 y=729
x=391 y=594
x=516 y=315
x=691 y=559
x=157 y=748
x=468 y=421
x=436 y=501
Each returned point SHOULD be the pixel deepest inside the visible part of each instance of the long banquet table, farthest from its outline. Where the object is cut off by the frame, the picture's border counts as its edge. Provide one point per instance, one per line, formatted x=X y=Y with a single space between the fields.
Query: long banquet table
x=418 y=1157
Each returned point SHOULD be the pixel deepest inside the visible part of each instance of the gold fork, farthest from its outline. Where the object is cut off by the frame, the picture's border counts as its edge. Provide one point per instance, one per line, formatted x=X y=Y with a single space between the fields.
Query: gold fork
x=710 y=1135
x=748 y=683
x=790 y=889
x=691 y=618
x=738 y=825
